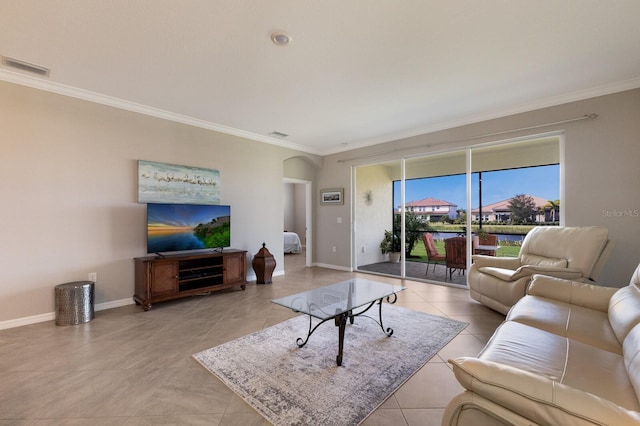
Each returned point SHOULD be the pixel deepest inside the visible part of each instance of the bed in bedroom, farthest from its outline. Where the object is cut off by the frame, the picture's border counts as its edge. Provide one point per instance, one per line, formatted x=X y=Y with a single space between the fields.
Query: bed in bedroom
x=292 y=242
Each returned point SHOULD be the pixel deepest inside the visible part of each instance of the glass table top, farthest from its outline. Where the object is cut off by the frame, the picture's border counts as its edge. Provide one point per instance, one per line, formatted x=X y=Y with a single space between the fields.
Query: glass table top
x=331 y=300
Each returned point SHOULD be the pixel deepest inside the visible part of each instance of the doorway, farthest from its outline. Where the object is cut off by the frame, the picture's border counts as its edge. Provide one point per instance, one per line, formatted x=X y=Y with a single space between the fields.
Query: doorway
x=297 y=216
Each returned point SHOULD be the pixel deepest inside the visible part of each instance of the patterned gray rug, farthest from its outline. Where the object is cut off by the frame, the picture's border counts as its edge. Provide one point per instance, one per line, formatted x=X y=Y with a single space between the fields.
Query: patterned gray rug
x=304 y=386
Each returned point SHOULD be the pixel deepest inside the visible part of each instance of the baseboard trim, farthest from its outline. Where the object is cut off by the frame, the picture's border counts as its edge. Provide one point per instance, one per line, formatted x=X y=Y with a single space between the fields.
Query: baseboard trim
x=114 y=304
x=19 y=322
x=51 y=316
x=253 y=277
x=336 y=267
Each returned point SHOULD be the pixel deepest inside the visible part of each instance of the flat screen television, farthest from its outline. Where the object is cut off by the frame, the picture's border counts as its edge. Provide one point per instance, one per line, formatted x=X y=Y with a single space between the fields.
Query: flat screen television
x=180 y=227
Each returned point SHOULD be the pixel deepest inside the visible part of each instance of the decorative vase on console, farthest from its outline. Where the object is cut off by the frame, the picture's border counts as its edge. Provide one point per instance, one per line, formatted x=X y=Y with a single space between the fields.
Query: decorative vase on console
x=263 y=264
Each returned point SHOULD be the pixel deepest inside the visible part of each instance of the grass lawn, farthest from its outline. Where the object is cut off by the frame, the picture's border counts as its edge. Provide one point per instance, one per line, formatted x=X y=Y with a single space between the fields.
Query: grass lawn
x=419 y=253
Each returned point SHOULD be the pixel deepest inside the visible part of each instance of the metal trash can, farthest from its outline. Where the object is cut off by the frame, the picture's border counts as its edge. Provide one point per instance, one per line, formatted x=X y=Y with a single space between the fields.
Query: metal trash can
x=74 y=302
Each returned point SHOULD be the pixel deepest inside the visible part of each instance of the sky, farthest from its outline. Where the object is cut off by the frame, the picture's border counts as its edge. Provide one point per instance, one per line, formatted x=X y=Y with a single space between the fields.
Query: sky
x=542 y=181
x=184 y=215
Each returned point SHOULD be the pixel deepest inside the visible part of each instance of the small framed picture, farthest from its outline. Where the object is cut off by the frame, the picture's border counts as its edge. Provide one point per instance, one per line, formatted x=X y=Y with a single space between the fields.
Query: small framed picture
x=332 y=196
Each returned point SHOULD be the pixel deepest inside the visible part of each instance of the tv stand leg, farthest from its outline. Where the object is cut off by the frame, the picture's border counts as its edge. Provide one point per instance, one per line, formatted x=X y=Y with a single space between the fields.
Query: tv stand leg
x=144 y=304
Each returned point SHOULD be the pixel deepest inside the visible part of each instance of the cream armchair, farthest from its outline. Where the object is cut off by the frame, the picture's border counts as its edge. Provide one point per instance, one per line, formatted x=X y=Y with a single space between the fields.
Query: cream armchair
x=571 y=253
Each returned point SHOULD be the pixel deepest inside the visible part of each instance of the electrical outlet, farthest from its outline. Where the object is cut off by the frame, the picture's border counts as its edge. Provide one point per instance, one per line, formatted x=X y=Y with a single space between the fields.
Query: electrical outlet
x=333 y=249
x=93 y=276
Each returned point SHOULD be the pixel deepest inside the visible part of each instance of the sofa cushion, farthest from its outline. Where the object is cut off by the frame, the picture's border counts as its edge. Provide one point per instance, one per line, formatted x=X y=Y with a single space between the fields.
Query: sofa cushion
x=575 y=322
x=631 y=347
x=573 y=292
x=534 y=397
x=562 y=360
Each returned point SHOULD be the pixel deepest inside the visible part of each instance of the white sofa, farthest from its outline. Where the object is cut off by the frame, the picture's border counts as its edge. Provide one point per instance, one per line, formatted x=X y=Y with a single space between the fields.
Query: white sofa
x=573 y=253
x=568 y=353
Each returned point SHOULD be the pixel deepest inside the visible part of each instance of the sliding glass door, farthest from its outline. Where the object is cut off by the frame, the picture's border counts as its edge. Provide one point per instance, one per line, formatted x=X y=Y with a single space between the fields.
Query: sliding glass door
x=485 y=194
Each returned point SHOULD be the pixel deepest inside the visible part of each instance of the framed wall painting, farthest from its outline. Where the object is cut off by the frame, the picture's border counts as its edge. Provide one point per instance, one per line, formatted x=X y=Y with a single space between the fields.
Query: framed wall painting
x=332 y=196
x=172 y=183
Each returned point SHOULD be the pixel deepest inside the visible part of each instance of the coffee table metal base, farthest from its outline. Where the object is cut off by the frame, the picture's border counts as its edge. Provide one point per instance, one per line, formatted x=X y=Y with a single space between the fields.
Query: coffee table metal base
x=340 y=320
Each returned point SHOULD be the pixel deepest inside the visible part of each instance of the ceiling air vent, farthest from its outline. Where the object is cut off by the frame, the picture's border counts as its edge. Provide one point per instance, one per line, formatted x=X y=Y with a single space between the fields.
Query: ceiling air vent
x=25 y=66
x=279 y=135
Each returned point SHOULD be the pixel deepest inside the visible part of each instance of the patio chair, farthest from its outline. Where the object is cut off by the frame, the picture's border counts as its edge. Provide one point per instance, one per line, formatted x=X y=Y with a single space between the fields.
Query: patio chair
x=486 y=240
x=456 y=255
x=433 y=257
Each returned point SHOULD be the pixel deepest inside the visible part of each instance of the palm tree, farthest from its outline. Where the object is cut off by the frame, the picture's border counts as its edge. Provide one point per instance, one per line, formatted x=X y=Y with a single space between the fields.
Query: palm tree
x=414 y=228
x=554 y=206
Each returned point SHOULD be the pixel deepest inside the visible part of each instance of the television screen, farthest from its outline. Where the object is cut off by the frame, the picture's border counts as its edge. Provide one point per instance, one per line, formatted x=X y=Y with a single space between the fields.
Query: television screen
x=178 y=227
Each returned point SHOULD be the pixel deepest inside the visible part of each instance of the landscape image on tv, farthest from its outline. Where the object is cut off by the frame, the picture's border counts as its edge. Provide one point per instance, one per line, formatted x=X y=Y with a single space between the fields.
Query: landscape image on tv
x=178 y=227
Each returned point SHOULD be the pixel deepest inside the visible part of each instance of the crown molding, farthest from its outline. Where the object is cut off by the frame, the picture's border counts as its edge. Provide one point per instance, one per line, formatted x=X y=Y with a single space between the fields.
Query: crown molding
x=580 y=95
x=98 y=98
x=61 y=89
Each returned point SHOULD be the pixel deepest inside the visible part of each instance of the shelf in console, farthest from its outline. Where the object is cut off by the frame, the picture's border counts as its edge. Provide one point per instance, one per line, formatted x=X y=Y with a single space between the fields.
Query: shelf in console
x=199 y=284
x=192 y=276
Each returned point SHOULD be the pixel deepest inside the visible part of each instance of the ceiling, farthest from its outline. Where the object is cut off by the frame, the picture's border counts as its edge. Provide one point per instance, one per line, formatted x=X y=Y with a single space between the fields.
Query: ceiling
x=356 y=72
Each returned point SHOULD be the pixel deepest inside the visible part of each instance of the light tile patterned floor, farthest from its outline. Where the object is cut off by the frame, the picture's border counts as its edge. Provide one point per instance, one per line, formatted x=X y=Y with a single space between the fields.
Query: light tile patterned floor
x=129 y=367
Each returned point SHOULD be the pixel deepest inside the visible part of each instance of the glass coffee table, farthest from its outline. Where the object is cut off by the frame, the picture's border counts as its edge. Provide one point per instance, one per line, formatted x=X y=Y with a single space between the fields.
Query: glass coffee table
x=339 y=302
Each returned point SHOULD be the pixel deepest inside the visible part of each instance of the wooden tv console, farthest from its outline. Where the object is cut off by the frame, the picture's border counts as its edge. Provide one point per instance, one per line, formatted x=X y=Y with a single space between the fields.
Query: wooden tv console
x=162 y=278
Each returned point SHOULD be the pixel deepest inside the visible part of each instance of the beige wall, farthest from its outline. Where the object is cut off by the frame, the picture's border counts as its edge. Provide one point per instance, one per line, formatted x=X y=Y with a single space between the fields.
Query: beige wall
x=373 y=214
x=69 y=199
x=69 y=194
x=600 y=172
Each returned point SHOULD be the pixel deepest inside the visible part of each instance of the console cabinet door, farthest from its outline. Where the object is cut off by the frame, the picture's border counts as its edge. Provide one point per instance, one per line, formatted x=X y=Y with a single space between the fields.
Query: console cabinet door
x=234 y=268
x=164 y=278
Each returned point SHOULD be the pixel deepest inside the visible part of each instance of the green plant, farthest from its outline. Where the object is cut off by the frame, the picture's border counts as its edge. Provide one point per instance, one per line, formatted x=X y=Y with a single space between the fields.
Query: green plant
x=390 y=243
x=414 y=228
x=523 y=209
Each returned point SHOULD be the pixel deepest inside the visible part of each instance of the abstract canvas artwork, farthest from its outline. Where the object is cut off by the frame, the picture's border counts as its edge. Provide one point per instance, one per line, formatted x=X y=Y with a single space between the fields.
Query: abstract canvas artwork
x=171 y=183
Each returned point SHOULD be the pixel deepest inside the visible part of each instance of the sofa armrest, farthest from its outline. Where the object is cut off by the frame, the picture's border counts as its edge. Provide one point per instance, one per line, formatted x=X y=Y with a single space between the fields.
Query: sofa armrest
x=535 y=397
x=482 y=261
x=573 y=292
x=530 y=270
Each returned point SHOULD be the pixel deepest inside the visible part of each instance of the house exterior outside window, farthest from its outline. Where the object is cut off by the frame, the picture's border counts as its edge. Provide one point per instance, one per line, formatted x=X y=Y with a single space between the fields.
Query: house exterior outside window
x=499 y=212
x=438 y=209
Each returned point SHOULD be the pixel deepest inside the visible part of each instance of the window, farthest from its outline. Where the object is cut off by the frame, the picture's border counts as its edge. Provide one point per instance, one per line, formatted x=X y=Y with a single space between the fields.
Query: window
x=440 y=185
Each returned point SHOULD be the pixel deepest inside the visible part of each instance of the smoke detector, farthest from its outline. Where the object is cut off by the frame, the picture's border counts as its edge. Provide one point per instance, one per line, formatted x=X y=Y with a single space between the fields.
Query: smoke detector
x=280 y=38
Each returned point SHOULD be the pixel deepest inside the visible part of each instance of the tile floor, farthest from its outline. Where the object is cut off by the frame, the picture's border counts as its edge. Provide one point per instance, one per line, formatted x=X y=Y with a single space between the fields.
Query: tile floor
x=129 y=367
x=417 y=270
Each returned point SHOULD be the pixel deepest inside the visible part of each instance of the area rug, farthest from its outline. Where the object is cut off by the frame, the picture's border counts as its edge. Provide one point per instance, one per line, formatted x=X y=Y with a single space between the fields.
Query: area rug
x=289 y=385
